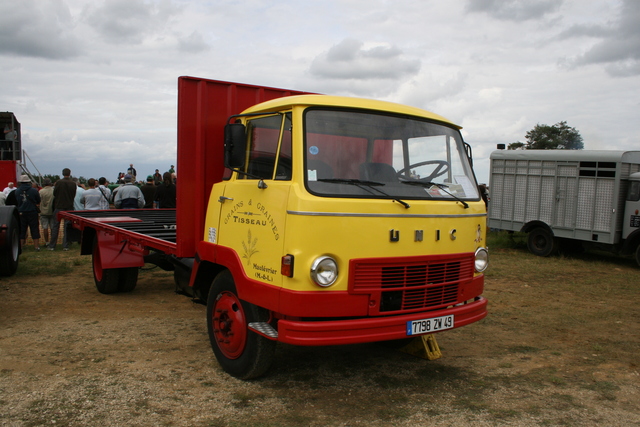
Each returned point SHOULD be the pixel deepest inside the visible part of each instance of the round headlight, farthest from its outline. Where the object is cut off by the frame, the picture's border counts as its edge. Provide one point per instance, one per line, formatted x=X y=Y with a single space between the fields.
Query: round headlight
x=482 y=259
x=324 y=271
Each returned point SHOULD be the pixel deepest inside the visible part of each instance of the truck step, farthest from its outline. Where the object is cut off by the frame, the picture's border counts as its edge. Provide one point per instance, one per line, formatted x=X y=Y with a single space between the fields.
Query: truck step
x=263 y=328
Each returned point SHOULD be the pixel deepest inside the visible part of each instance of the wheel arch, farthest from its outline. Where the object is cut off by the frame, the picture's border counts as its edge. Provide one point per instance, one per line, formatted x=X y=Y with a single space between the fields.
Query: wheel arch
x=631 y=243
x=86 y=241
x=536 y=224
x=203 y=276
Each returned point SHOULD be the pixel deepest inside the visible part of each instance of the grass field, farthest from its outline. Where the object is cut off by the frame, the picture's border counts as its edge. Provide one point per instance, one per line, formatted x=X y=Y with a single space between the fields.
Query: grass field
x=559 y=347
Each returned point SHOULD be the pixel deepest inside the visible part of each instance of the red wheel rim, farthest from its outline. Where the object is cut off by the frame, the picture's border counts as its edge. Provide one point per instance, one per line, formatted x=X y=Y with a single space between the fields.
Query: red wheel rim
x=229 y=325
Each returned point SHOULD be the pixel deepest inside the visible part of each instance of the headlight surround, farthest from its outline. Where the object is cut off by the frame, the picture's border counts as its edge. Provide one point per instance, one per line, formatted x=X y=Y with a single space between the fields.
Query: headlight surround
x=481 y=259
x=324 y=271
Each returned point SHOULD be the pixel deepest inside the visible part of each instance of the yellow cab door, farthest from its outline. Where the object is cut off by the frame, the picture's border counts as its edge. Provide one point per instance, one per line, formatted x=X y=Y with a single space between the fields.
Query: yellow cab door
x=253 y=215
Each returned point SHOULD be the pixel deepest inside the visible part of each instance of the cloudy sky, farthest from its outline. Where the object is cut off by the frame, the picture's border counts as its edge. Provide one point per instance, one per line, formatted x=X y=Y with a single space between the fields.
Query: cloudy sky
x=93 y=83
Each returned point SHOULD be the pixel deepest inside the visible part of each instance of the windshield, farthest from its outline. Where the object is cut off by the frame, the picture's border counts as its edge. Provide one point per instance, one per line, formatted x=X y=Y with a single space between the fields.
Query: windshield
x=364 y=154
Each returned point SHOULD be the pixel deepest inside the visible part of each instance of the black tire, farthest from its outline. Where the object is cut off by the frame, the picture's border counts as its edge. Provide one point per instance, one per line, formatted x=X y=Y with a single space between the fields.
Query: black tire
x=638 y=255
x=541 y=242
x=241 y=352
x=127 y=279
x=106 y=279
x=10 y=254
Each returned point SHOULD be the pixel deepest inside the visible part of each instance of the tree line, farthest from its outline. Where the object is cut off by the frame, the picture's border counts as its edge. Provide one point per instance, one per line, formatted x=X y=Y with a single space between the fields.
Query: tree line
x=544 y=137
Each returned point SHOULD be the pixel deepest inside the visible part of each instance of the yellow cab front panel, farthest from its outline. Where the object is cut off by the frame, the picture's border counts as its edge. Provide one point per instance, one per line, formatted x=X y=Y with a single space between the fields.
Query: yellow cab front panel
x=376 y=210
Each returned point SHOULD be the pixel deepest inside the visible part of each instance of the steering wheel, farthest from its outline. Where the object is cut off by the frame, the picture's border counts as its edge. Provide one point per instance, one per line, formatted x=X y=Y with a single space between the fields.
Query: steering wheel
x=441 y=169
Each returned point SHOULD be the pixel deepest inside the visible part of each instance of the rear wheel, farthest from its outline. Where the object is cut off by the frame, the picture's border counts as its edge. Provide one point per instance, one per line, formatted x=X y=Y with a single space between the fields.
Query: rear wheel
x=240 y=351
x=638 y=255
x=541 y=242
x=106 y=279
x=9 y=255
x=127 y=279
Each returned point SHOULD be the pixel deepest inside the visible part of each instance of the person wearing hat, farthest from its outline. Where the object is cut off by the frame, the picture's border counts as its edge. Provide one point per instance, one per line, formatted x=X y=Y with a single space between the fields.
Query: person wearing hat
x=149 y=192
x=28 y=200
x=129 y=195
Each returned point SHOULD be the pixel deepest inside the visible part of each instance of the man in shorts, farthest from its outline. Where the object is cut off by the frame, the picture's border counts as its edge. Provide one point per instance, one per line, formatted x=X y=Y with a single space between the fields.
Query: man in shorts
x=46 y=208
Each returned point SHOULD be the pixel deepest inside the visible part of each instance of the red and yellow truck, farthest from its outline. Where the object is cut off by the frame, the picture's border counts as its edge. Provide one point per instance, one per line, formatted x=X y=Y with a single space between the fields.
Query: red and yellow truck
x=306 y=219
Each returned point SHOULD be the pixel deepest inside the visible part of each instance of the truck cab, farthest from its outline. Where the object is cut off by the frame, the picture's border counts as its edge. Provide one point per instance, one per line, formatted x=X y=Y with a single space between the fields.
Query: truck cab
x=631 y=222
x=342 y=221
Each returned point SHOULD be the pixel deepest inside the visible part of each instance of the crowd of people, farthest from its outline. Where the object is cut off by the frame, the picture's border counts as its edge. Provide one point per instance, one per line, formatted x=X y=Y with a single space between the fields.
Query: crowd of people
x=39 y=207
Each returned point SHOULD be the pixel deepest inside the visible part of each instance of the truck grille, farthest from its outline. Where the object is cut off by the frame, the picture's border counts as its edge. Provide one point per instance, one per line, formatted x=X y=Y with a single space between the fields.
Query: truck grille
x=412 y=283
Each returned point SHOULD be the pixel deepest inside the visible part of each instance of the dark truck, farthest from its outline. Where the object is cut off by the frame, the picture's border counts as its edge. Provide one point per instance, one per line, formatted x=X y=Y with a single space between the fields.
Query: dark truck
x=10 y=157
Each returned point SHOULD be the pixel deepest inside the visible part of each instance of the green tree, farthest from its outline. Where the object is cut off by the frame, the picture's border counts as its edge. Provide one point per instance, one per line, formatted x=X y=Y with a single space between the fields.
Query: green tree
x=516 y=146
x=557 y=137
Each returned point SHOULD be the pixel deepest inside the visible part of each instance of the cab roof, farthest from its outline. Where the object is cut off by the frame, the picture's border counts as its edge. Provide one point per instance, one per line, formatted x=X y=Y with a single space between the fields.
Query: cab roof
x=289 y=102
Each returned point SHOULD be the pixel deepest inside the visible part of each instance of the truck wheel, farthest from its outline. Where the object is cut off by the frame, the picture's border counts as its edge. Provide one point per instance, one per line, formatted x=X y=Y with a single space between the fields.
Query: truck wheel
x=9 y=255
x=241 y=352
x=106 y=279
x=541 y=242
x=127 y=279
x=638 y=255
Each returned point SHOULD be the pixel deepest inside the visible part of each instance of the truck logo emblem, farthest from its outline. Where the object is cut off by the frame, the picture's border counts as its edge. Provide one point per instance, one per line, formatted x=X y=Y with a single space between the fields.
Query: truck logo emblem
x=394 y=235
x=249 y=248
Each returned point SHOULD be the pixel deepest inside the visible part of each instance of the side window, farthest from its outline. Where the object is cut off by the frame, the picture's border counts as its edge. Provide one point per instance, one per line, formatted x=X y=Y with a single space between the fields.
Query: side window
x=634 y=191
x=269 y=155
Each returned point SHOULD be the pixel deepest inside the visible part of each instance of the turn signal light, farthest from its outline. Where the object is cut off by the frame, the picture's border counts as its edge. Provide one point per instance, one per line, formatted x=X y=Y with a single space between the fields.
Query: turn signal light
x=286 y=266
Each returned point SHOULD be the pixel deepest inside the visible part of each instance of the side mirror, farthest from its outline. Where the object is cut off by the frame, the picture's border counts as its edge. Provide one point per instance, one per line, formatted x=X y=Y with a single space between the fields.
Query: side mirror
x=235 y=145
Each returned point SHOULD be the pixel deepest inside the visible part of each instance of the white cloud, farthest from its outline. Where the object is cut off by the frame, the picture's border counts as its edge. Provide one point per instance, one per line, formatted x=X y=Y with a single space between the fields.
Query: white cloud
x=38 y=29
x=350 y=59
x=514 y=10
x=94 y=83
x=618 y=44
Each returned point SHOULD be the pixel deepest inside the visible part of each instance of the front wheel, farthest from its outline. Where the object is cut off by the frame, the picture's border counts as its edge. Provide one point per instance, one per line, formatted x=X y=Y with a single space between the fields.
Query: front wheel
x=241 y=352
x=541 y=242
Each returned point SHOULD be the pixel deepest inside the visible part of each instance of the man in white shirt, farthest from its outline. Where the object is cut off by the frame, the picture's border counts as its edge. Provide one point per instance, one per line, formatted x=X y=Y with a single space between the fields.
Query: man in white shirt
x=91 y=199
x=8 y=189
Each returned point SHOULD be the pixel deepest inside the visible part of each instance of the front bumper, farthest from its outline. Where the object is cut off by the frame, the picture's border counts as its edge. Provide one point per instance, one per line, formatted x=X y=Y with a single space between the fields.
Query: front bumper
x=371 y=329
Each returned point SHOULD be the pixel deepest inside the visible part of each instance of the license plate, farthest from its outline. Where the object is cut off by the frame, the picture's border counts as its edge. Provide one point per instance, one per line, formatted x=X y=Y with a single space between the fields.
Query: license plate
x=426 y=326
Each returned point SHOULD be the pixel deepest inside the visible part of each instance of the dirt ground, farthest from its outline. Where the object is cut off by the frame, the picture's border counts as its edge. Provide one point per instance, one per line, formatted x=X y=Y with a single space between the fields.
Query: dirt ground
x=70 y=356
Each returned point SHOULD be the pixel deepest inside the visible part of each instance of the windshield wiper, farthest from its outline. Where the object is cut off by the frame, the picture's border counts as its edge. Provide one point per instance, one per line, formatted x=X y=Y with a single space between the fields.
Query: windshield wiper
x=442 y=187
x=366 y=185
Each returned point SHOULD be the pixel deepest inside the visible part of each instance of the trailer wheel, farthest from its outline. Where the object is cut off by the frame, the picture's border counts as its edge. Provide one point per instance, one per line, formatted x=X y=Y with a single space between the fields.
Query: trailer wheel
x=241 y=352
x=106 y=279
x=10 y=254
x=127 y=279
x=541 y=242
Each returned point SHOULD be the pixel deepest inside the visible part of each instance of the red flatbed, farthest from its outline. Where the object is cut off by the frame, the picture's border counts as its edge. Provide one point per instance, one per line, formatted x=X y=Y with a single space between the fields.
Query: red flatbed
x=141 y=228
